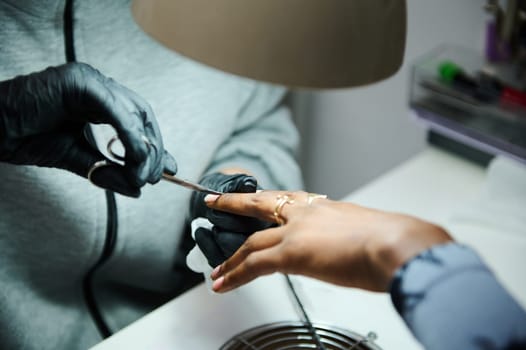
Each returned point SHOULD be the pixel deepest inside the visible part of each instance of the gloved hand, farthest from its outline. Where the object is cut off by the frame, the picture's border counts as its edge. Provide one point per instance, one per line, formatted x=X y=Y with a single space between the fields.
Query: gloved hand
x=229 y=231
x=43 y=117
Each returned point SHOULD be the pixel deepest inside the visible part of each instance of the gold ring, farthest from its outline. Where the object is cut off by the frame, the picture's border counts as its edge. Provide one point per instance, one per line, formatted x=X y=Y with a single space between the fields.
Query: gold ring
x=281 y=201
x=95 y=166
x=312 y=196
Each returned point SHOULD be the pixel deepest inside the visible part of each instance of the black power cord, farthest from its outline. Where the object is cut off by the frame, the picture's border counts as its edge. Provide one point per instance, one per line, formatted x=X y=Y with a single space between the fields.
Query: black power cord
x=111 y=228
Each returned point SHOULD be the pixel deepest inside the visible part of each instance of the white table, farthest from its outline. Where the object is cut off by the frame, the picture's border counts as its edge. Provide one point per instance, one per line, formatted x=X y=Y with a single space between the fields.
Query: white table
x=433 y=185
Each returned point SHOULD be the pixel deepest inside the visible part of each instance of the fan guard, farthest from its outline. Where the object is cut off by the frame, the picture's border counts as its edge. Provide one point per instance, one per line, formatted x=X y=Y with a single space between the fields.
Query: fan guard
x=296 y=335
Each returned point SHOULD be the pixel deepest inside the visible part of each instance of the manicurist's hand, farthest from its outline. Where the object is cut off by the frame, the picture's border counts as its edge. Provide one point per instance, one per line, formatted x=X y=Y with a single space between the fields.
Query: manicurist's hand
x=43 y=118
x=230 y=231
x=336 y=242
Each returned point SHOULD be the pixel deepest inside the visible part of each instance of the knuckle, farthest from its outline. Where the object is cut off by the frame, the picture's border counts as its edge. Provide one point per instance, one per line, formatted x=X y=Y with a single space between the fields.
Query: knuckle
x=146 y=109
x=262 y=265
x=79 y=69
x=251 y=265
x=142 y=111
x=254 y=205
x=68 y=73
x=247 y=247
x=256 y=200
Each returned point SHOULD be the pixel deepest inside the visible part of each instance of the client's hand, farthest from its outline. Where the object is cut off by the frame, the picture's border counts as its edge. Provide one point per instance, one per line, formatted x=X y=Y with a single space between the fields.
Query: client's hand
x=337 y=242
x=230 y=231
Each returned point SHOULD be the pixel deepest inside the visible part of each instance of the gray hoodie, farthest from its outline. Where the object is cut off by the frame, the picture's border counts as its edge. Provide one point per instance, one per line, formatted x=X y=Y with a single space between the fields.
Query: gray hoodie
x=54 y=225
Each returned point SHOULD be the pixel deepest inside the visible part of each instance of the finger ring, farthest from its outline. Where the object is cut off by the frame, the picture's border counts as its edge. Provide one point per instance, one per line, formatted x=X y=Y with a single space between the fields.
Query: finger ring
x=95 y=166
x=281 y=201
x=312 y=196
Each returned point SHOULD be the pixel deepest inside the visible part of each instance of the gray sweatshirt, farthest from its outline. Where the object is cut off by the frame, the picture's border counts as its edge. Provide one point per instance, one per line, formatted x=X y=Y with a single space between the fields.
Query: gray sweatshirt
x=54 y=225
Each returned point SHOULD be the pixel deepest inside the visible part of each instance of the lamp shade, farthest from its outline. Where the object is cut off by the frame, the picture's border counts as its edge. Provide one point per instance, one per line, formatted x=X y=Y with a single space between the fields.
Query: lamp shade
x=297 y=43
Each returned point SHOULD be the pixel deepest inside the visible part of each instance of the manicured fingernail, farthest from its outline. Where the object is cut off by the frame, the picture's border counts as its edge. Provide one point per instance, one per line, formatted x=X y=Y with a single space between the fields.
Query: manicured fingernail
x=218 y=283
x=216 y=272
x=210 y=198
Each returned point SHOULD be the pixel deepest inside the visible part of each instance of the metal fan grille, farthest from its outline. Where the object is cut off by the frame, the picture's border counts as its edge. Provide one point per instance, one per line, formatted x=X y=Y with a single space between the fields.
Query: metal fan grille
x=296 y=335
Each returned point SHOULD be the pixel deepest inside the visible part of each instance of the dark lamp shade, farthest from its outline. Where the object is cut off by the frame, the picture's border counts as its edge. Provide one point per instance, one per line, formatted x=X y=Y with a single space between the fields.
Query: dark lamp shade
x=297 y=43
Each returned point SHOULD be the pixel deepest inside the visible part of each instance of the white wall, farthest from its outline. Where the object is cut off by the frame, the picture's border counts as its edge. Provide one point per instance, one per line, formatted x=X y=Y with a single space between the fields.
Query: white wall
x=351 y=136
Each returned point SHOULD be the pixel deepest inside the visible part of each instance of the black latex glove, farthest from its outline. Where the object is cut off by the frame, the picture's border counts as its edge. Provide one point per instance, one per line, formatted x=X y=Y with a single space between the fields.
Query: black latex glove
x=230 y=231
x=43 y=117
x=218 y=245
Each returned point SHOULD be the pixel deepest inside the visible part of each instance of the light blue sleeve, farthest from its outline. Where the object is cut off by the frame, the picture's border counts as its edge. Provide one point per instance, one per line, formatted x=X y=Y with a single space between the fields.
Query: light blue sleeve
x=265 y=141
x=451 y=300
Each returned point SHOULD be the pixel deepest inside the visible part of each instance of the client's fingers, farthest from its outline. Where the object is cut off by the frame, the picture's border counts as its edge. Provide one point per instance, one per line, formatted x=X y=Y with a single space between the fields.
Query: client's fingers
x=262 y=204
x=260 y=263
x=257 y=242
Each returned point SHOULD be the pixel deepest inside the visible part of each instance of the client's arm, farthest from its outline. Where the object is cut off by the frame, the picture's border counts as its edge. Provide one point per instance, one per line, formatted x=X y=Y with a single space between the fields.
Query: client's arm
x=445 y=293
x=451 y=300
